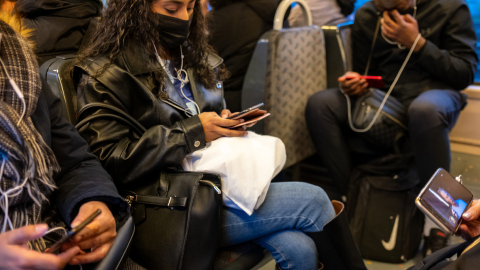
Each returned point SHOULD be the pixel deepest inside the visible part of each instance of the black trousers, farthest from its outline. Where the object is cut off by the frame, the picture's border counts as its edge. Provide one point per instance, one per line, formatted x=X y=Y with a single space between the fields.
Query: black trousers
x=430 y=117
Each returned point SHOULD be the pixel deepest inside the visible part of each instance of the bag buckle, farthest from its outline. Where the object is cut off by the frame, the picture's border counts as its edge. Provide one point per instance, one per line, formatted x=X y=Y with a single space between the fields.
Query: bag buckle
x=130 y=198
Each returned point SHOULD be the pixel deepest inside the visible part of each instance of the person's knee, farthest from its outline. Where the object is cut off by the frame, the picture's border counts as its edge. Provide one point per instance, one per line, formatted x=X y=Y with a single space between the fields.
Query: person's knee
x=423 y=112
x=319 y=105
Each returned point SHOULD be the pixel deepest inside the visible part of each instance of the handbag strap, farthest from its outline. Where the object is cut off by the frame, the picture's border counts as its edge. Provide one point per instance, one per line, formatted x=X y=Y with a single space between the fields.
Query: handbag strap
x=156 y=200
x=349 y=105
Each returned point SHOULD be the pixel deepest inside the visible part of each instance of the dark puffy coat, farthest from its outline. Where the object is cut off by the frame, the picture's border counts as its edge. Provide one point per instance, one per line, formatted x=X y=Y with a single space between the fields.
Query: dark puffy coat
x=236 y=28
x=82 y=177
x=59 y=25
x=131 y=158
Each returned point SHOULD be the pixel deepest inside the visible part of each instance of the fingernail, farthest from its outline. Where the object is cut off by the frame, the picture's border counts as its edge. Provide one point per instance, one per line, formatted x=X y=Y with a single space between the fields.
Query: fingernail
x=242 y=120
x=467 y=215
x=224 y=116
x=78 y=238
x=41 y=228
x=245 y=133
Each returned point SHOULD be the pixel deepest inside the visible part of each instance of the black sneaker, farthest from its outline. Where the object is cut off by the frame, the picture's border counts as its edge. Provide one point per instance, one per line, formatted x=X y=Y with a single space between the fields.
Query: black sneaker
x=436 y=241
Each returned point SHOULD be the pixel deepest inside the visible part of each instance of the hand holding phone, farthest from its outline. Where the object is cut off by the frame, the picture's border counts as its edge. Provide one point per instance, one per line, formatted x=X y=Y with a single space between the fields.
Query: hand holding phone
x=250 y=115
x=470 y=226
x=354 y=86
x=373 y=81
x=70 y=234
x=444 y=200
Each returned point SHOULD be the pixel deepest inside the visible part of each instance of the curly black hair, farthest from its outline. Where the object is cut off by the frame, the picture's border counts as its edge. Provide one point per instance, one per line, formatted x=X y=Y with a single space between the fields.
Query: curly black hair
x=127 y=20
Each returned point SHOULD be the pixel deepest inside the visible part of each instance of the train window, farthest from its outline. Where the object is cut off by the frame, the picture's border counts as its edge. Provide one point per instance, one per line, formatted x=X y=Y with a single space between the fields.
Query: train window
x=475 y=10
x=474 y=6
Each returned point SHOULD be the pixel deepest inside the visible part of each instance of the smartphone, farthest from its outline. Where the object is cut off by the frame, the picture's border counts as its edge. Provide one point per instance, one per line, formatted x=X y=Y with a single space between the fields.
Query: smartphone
x=244 y=112
x=373 y=81
x=444 y=200
x=70 y=234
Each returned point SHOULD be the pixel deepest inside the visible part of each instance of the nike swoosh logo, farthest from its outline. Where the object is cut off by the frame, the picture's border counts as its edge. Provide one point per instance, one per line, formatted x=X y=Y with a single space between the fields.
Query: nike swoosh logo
x=390 y=245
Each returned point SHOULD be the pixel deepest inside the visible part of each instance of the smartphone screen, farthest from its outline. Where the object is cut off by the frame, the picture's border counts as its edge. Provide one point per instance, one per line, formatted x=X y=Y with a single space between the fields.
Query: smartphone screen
x=445 y=199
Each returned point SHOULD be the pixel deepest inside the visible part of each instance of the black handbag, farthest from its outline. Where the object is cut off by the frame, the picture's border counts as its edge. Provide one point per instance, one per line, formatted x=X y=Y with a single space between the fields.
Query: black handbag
x=378 y=117
x=389 y=126
x=176 y=216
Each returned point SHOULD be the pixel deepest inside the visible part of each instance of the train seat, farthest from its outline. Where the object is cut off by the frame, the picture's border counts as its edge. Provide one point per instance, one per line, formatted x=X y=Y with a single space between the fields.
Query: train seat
x=287 y=67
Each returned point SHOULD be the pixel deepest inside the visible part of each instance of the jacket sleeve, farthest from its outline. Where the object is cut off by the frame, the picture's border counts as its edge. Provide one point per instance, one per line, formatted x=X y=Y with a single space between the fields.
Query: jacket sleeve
x=128 y=156
x=82 y=177
x=455 y=61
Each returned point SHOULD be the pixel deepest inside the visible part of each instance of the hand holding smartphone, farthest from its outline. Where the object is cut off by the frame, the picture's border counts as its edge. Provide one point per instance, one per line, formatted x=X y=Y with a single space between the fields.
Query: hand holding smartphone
x=373 y=81
x=250 y=115
x=70 y=234
x=444 y=200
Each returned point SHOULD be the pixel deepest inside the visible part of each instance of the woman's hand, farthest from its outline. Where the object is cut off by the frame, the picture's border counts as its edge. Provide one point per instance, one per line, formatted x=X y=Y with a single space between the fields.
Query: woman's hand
x=14 y=253
x=97 y=236
x=355 y=86
x=215 y=126
x=471 y=221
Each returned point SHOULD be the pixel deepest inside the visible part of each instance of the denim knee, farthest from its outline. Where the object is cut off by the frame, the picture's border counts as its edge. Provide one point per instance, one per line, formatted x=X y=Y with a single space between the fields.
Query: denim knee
x=292 y=249
x=319 y=205
x=423 y=114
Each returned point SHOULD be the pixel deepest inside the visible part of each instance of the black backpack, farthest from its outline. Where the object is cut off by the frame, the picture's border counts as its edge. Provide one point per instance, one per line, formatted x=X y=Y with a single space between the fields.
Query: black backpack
x=385 y=223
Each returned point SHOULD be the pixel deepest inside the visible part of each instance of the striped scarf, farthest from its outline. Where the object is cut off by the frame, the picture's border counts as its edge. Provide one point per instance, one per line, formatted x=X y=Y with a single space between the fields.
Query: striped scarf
x=27 y=164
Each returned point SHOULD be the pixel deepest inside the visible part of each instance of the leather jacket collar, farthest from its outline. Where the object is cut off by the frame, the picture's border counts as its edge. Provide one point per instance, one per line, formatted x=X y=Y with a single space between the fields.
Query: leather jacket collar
x=137 y=61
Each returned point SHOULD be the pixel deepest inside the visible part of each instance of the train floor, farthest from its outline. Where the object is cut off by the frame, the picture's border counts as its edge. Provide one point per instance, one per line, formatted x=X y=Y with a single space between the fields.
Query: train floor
x=462 y=164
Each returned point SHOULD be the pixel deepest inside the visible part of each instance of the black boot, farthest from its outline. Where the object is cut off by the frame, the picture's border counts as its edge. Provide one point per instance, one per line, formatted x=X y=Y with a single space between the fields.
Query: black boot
x=335 y=245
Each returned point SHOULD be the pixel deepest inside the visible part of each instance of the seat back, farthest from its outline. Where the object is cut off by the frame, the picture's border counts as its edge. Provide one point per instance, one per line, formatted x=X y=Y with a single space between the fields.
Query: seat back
x=287 y=67
x=338 y=45
x=56 y=73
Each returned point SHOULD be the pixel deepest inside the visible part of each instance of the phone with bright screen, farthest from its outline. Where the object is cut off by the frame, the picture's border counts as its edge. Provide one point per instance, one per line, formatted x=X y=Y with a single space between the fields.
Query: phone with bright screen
x=444 y=200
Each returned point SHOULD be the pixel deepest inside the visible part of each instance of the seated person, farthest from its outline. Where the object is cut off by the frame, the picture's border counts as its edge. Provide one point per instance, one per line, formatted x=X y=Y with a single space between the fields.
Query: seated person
x=468 y=252
x=58 y=25
x=63 y=180
x=133 y=68
x=236 y=28
x=443 y=63
x=323 y=12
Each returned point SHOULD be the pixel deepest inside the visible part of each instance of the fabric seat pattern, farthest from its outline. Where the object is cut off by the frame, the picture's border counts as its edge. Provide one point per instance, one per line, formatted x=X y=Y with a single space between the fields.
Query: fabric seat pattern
x=296 y=69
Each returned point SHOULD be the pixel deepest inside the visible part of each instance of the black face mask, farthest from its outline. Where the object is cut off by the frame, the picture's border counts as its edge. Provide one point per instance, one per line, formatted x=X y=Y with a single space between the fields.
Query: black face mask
x=173 y=31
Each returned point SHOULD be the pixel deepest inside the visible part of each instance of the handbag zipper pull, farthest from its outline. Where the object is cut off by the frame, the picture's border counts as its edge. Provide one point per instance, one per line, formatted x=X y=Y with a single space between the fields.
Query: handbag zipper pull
x=209 y=183
x=130 y=198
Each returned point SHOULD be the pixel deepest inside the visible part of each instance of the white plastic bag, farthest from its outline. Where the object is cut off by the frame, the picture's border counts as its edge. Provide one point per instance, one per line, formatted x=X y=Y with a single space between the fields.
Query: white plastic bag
x=246 y=164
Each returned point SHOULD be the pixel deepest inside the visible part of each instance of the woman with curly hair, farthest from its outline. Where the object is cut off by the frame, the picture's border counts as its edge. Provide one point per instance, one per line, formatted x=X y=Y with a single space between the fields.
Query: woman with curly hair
x=151 y=59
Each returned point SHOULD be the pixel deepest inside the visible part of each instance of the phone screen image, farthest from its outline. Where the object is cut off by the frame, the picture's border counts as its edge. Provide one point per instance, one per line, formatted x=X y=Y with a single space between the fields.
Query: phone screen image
x=447 y=198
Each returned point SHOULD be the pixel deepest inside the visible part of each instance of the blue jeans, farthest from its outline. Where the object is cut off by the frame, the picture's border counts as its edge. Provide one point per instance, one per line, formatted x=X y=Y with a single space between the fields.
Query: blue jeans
x=278 y=225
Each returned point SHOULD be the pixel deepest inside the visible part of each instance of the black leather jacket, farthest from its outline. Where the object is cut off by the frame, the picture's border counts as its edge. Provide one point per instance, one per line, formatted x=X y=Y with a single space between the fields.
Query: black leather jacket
x=170 y=134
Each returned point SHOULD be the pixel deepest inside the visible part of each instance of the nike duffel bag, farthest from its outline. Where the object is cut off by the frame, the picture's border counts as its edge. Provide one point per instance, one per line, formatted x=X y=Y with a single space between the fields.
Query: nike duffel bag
x=385 y=223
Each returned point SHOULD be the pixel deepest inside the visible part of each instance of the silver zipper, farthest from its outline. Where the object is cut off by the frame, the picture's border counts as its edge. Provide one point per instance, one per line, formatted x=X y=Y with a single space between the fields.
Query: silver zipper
x=209 y=183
